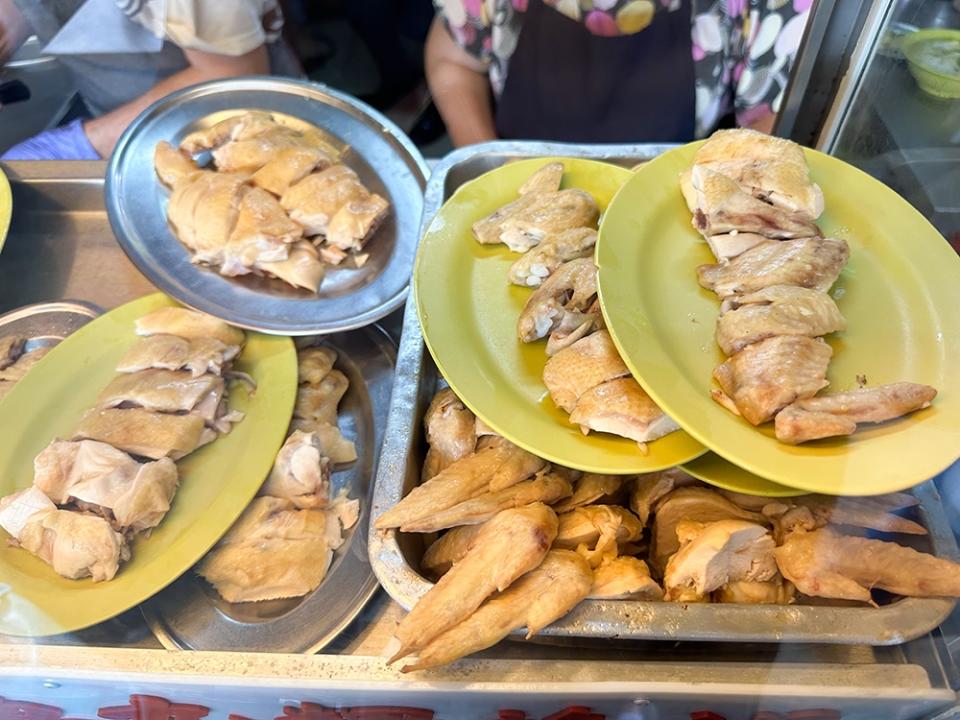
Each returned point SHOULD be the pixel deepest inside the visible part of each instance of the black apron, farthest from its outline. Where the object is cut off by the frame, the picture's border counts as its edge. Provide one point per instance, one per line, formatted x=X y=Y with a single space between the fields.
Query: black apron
x=566 y=84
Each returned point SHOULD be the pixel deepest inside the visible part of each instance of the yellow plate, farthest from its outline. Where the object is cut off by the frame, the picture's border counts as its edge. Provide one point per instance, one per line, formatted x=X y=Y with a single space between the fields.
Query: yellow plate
x=6 y=207
x=899 y=293
x=216 y=482
x=468 y=310
x=713 y=469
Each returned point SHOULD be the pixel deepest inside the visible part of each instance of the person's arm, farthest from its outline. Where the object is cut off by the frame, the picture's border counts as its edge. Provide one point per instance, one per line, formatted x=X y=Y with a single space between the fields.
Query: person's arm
x=14 y=30
x=460 y=88
x=105 y=130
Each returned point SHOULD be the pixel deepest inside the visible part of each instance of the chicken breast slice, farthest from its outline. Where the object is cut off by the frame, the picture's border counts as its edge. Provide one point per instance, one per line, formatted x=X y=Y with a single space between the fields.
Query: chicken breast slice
x=160 y=390
x=188 y=324
x=141 y=432
x=169 y=352
x=623 y=408
x=573 y=371
x=315 y=200
x=290 y=166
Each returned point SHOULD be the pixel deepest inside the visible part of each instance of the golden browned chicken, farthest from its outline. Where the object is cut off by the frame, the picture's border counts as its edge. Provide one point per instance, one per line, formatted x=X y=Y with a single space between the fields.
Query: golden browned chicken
x=564 y=300
x=584 y=365
x=623 y=408
x=169 y=352
x=289 y=166
x=525 y=222
x=537 y=599
x=141 y=432
x=541 y=261
x=450 y=431
x=160 y=390
x=302 y=268
x=511 y=544
x=776 y=310
x=173 y=166
x=765 y=377
x=624 y=578
x=840 y=413
x=546 y=179
x=315 y=363
x=756 y=592
x=188 y=324
x=824 y=563
x=649 y=488
x=591 y=524
x=449 y=549
x=263 y=232
x=590 y=488
x=319 y=402
x=807 y=262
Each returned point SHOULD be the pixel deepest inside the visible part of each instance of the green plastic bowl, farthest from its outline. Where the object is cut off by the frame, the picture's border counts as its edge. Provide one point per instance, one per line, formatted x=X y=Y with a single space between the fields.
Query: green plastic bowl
x=931 y=80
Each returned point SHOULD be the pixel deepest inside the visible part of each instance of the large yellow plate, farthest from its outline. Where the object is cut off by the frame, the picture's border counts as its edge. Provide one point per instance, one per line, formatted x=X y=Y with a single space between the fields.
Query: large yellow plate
x=899 y=292
x=216 y=482
x=468 y=310
x=6 y=208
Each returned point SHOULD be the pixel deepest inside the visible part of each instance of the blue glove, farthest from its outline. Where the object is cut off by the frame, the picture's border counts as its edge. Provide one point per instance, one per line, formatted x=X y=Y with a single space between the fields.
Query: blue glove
x=69 y=142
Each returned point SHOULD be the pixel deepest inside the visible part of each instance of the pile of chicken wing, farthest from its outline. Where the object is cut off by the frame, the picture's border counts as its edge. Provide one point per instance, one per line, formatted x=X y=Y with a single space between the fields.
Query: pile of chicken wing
x=524 y=542
x=115 y=478
x=753 y=201
x=276 y=202
x=556 y=232
x=283 y=544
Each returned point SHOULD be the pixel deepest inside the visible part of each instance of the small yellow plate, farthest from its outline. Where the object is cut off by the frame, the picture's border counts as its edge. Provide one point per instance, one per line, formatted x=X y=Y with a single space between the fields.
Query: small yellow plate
x=468 y=310
x=899 y=293
x=216 y=482
x=6 y=207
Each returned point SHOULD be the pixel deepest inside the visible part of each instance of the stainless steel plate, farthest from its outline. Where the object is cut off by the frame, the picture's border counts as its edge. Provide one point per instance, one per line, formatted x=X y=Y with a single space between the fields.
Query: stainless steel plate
x=190 y=615
x=386 y=161
x=395 y=556
x=46 y=324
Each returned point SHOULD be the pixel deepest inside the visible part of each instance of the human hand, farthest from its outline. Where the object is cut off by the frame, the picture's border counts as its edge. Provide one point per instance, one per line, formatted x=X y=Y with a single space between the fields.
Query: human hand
x=69 y=142
x=14 y=30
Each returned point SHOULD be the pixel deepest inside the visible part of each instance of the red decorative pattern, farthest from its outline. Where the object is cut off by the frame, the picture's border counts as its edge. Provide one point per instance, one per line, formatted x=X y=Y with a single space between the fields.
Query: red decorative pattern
x=150 y=707
x=14 y=710
x=312 y=711
x=575 y=712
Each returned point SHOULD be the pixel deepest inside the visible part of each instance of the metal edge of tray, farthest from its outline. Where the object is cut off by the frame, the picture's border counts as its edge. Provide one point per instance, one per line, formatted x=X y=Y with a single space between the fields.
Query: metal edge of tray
x=350 y=560
x=416 y=376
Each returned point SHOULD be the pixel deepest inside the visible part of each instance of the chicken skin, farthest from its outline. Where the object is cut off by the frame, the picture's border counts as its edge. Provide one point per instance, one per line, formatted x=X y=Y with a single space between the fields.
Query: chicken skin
x=315 y=363
x=300 y=473
x=525 y=222
x=445 y=552
x=319 y=402
x=573 y=371
x=622 y=407
x=302 y=267
x=169 y=352
x=450 y=431
x=188 y=324
x=160 y=390
x=546 y=179
x=541 y=261
x=141 y=432
x=624 y=578
x=590 y=488
x=563 y=301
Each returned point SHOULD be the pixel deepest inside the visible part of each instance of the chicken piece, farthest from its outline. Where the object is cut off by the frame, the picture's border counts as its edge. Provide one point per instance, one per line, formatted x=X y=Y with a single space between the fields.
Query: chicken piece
x=591 y=525
x=315 y=363
x=649 y=488
x=513 y=543
x=584 y=365
x=776 y=310
x=159 y=390
x=563 y=300
x=623 y=408
x=624 y=578
x=540 y=262
x=302 y=268
x=808 y=262
x=173 y=166
x=588 y=489
x=544 y=488
x=188 y=324
x=450 y=430
x=319 y=402
x=332 y=442
x=141 y=432
x=723 y=207
x=693 y=504
x=824 y=563
x=274 y=550
x=756 y=592
x=136 y=496
x=169 y=352
x=17 y=371
x=489 y=469
x=574 y=327
x=810 y=512
x=315 y=200
x=525 y=222
x=716 y=553
x=76 y=545
x=300 y=473
x=537 y=599
x=290 y=166
x=263 y=233
x=203 y=213
x=11 y=348
x=765 y=377
x=768 y=167
x=246 y=125
x=840 y=413
x=450 y=549
x=356 y=220
x=546 y=179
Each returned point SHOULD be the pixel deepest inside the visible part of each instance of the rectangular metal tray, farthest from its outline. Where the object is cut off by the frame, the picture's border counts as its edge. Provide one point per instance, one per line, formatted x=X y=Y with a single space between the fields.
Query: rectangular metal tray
x=395 y=556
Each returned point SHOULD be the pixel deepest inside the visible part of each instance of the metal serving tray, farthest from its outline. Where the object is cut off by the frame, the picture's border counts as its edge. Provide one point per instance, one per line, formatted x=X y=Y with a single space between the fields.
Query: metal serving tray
x=395 y=556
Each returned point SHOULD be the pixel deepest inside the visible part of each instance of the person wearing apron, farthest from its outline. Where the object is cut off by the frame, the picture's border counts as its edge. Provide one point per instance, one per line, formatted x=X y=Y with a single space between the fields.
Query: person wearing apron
x=125 y=54
x=610 y=70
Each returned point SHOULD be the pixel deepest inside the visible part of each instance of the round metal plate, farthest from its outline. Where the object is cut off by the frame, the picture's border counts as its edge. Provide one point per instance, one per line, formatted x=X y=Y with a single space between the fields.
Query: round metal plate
x=386 y=161
x=190 y=615
x=46 y=324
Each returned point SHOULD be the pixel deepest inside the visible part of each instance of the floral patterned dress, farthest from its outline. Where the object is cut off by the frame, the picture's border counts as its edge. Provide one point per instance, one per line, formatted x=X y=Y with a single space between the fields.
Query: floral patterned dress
x=742 y=49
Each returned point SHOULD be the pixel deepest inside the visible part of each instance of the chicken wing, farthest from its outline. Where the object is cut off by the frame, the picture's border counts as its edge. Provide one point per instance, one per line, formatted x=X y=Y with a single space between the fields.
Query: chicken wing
x=450 y=430
x=290 y=166
x=141 y=432
x=300 y=473
x=776 y=310
x=824 y=563
x=510 y=545
x=188 y=324
x=319 y=402
x=540 y=262
x=563 y=300
x=546 y=179
x=590 y=488
x=810 y=512
x=587 y=363
x=537 y=599
x=315 y=363
x=623 y=408
x=160 y=390
x=808 y=262
x=302 y=268
x=840 y=413
x=765 y=377
x=624 y=578
x=169 y=352
x=450 y=549
x=525 y=222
